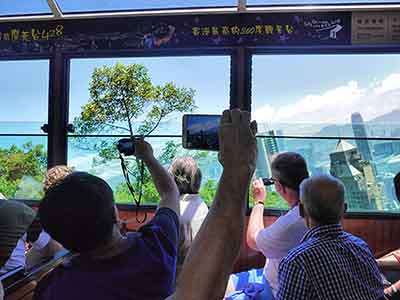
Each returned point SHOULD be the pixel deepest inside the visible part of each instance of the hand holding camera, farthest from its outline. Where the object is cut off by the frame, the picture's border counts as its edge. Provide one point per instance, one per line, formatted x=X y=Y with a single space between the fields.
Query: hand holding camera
x=143 y=149
x=259 y=191
x=135 y=146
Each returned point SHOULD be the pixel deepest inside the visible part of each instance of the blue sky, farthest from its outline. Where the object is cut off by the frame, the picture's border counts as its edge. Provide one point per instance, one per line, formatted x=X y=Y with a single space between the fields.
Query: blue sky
x=279 y=81
x=40 y=6
x=290 y=87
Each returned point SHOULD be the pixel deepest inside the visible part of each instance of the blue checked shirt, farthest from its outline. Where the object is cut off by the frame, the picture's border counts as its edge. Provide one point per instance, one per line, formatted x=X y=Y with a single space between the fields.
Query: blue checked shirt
x=329 y=264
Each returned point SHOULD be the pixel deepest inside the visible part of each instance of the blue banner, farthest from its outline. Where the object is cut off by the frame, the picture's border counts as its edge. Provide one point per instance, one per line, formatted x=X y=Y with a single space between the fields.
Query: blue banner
x=179 y=32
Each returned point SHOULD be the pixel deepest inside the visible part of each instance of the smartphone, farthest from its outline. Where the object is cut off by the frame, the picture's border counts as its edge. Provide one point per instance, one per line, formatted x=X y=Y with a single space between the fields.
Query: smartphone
x=200 y=132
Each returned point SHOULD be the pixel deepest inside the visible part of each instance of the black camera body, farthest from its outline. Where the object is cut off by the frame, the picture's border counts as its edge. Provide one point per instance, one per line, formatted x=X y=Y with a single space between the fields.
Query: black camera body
x=126 y=146
x=267 y=181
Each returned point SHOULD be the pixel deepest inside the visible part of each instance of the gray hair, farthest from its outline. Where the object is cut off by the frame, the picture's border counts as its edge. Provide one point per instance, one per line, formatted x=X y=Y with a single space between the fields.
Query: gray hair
x=187 y=175
x=323 y=199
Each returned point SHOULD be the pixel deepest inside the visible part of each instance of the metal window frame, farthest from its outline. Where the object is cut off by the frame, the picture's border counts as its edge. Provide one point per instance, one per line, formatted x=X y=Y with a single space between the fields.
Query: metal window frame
x=241 y=7
x=240 y=71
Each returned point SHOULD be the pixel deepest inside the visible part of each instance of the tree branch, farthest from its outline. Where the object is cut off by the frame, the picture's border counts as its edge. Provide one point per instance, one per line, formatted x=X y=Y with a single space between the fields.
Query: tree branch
x=117 y=127
x=158 y=123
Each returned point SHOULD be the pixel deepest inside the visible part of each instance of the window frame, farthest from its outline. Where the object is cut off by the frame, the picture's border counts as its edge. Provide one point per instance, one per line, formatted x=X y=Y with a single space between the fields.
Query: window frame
x=240 y=88
x=44 y=134
x=326 y=51
x=225 y=52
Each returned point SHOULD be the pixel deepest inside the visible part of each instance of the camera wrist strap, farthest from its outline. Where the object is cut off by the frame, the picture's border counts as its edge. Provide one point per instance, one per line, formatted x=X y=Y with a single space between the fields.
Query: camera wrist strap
x=138 y=200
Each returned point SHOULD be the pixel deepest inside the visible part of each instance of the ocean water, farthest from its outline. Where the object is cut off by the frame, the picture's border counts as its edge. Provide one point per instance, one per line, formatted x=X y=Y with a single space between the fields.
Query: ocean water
x=83 y=157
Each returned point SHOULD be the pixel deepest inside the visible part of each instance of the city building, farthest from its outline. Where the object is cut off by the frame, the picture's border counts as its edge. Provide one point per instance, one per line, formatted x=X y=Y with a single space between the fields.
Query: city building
x=360 y=131
x=271 y=144
x=358 y=176
x=281 y=141
x=263 y=165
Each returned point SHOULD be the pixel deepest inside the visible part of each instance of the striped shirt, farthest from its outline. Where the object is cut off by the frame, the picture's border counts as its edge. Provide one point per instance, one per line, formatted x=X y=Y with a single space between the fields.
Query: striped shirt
x=330 y=264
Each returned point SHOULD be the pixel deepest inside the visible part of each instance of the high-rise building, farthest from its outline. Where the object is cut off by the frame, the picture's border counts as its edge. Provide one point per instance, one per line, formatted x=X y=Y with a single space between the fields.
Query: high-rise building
x=271 y=144
x=359 y=130
x=281 y=141
x=263 y=166
x=358 y=176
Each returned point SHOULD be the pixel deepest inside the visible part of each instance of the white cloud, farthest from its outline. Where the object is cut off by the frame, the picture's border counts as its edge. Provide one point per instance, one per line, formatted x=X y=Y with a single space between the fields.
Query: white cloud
x=337 y=104
x=390 y=83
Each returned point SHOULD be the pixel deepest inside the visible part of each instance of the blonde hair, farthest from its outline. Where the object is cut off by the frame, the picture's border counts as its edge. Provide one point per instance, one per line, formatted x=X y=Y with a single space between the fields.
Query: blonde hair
x=55 y=175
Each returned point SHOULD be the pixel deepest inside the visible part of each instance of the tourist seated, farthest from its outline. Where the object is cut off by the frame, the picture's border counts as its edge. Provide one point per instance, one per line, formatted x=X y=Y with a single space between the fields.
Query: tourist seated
x=55 y=175
x=187 y=176
x=329 y=263
x=21 y=226
x=79 y=213
x=391 y=261
x=288 y=170
x=17 y=229
x=209 y=263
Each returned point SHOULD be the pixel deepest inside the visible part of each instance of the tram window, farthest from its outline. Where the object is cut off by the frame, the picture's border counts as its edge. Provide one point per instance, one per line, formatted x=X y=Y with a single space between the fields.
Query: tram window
x=331 y=106
x=208 y=76
x=23 y=146
x=103 y=5
x=315 y=2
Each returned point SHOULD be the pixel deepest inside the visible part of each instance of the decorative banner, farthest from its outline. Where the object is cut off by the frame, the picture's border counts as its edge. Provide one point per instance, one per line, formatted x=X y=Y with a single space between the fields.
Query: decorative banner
x=372 y=28
x=179 y=32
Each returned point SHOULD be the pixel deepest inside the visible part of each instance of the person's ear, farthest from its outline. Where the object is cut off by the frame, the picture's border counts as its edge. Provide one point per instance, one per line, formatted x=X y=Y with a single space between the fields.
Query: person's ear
x=301 y=210
x=279 y=187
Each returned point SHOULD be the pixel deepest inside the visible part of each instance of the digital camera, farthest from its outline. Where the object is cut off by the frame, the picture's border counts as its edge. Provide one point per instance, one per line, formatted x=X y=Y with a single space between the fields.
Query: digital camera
x=126 y=146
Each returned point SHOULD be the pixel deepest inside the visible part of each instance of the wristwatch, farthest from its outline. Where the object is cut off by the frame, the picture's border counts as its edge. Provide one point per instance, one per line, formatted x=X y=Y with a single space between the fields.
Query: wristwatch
x=260 y=202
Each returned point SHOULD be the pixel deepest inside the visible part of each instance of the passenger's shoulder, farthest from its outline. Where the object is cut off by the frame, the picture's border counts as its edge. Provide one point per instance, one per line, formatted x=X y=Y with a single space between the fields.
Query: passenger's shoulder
x=355 y=240
x=307 y=249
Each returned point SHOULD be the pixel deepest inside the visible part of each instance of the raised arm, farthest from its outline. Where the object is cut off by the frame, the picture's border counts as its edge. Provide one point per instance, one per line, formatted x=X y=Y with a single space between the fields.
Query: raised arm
x=163 y=181
x=256 y=221
x=210 y=260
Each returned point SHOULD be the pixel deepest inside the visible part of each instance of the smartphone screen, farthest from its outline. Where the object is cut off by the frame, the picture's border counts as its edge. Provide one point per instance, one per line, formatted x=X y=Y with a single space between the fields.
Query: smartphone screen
x=200 y=132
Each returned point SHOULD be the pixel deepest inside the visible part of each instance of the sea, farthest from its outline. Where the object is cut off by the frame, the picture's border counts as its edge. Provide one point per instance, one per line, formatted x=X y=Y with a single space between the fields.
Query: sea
x=82 y=156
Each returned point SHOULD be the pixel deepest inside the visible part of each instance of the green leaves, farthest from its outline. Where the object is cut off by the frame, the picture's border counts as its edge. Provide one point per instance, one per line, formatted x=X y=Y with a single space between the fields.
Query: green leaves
x=17 y=164
x=123 y=96
x=123 y=100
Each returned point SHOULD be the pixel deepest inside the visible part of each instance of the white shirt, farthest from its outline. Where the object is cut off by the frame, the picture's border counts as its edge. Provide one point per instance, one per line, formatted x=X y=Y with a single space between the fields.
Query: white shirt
x=276 y=240
x=17 y=257
x=193 y=212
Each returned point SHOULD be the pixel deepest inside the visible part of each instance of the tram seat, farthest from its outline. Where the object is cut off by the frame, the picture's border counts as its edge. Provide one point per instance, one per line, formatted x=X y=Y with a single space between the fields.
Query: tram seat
x=20 y=285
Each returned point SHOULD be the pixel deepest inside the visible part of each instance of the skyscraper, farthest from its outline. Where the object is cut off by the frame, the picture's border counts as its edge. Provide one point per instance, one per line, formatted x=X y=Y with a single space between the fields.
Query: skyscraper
x=263 y=166
x=271 y=144
x=281 y=141
x=359 y=130
x=362 y=190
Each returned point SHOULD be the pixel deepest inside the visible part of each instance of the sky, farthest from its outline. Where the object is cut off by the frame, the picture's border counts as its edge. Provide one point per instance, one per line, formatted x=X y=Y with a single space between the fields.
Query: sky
x=286 y=88
x=40 y=6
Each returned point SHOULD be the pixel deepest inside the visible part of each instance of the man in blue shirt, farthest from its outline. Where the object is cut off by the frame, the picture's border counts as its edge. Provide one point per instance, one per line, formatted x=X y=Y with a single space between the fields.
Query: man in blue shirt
x=79 y=213
x=329 y=264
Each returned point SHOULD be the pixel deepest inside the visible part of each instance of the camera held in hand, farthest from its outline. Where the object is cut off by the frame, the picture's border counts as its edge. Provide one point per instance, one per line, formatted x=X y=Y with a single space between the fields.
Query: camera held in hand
x=126 y=146
x=267 y=181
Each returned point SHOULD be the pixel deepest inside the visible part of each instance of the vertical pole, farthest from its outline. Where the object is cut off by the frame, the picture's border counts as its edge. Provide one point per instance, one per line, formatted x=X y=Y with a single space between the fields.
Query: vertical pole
x=58 y=110
x=241 y=79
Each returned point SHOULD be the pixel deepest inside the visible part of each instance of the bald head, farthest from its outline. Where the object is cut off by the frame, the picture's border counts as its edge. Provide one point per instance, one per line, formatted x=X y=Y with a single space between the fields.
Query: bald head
x=322 y=197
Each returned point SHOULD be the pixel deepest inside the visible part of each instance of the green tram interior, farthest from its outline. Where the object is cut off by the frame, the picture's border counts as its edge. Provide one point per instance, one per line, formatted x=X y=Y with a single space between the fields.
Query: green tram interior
x=320 y=78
